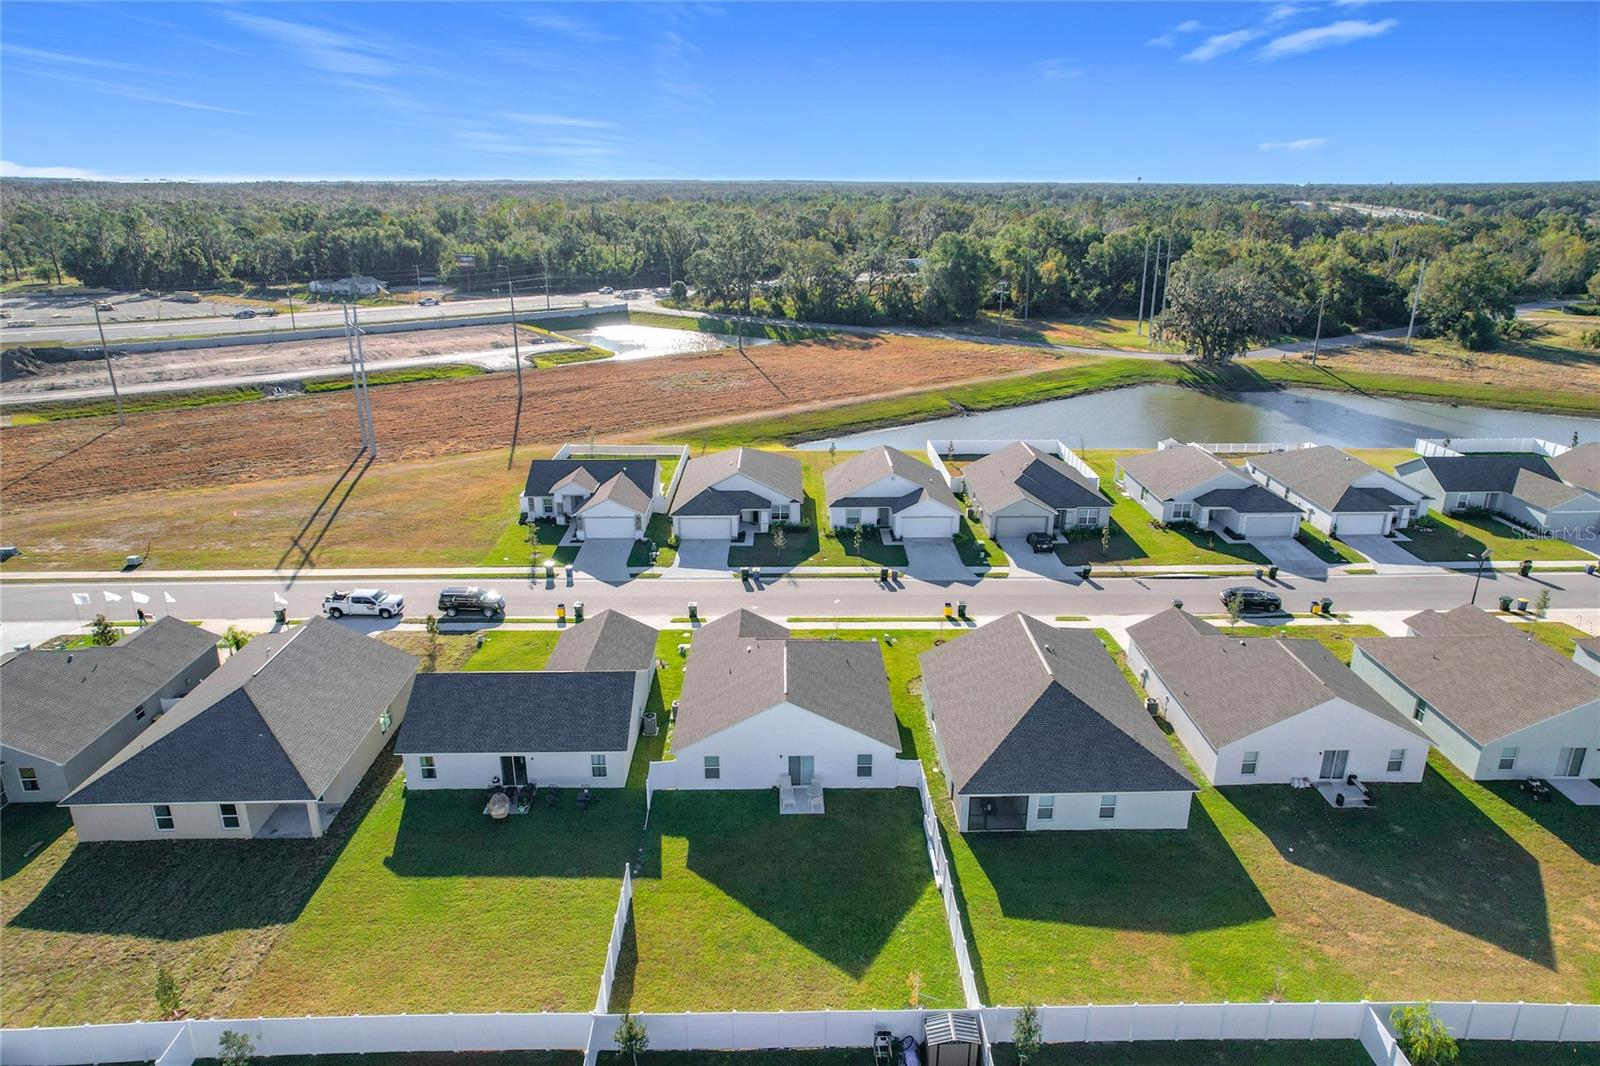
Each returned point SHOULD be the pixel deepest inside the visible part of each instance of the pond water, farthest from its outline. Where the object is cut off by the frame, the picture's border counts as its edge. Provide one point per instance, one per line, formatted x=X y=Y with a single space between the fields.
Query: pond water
x=629 y=341
x=1140 y=416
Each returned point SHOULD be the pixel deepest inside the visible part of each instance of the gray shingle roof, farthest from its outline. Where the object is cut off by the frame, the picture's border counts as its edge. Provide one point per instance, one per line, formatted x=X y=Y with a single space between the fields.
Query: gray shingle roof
x=609 y=640
x=1024 y=707
x=1579 y=466
x=844 y=483
x=278 y=721
x=695 y=495
x=545 y=474
x=1544 y=491
x=518 y=712
x=1488 y=683
x=1483 y=473
x=53 y=704
x=619 y=489
x=1324 y=475
x=1232 y=687
x=1171 y=471
x=1250 y=499
x=1019 y=471
x=743 y=664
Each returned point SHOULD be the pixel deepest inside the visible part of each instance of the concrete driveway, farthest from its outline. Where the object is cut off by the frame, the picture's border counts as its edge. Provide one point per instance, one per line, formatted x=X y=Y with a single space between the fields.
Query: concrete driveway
x=1383 y=551
x=1291 y=556
x=605 y=559
x=699 y=558
x=935 y=559
x=1025 y=562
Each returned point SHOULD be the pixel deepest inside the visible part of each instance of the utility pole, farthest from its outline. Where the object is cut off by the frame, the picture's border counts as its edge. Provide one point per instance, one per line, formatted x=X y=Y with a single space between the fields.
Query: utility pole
x=290 y=289
x=516 y=347
x=358 y=380
x=1316 y=342
x=1000 y=309
x=106 y=353
x=1143 y=271
x=1416 y=298
x=1166 y=284
x=1155 y=286
x=418 y=269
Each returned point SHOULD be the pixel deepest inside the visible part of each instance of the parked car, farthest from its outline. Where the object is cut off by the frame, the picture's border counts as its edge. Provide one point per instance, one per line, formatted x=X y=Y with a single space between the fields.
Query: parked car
x=1254 y=600
x=364 y=601
x=459 y=598
x=1041 y=542
x=246 y=313
x=428 y=301
x=270 y=312
x=22 y=323
x=606 y=290
x=103 y=306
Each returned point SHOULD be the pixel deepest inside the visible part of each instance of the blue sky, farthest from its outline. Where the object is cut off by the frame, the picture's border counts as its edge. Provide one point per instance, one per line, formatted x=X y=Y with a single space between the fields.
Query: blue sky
x=1026 y=92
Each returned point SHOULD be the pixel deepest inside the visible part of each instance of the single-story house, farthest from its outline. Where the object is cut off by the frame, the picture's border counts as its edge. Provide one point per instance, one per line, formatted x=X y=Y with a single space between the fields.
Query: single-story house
x=760 y=708
x=1586 y=653
x=64 y=713
x=1036 y=728
x=1338 y=493
x=885 y=488
x=722 y=494
x=1187 y=484
x=1579 y=467
x=272 y=744
x=572 y=724
x=1270 y=709
x=1021 y=489
x=604 y=499
x=1497 y=703
x=1524 y=488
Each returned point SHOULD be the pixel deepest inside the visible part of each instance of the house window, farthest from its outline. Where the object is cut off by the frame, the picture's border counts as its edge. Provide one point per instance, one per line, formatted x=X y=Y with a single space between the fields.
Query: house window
x=863 y=766
x=597 y=766
x=1397 y=759
x=164 y=822
x=852 y=517
x=1088 y=516
x=230 y=815
x=1183 y=512
x=713 y=767
x=1508 y=758
x=29 y=777
x=1420 y=711
x=429 y=771
x=1047 y=809
x=1248 y=766
x=1108 y=806
x=138 y=713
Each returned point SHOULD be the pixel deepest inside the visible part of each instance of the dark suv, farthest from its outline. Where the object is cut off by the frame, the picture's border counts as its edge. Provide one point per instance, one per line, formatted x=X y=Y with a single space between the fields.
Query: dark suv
x=1041 y=542
x=1254 y=601
x=459 y=598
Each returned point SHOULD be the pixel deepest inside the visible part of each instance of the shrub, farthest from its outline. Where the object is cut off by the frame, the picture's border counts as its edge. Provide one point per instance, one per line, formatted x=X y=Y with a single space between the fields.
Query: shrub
x=1422 y=1036
x=680 y=291
x=167 y=999
x=235 y=1049
x=102 y=634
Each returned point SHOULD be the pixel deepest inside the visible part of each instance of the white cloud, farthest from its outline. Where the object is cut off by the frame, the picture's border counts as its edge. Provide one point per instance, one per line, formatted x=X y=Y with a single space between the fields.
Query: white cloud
x=8 y=169
x=325 y=50
x=1345 y=31
x=1285 y=12
x=61 y=58
x=1300 y=145
x=541 y=119
x=135 y=92
x=1170 y=38
x=565 y=26
x=1056 y=70
x=1221 y=44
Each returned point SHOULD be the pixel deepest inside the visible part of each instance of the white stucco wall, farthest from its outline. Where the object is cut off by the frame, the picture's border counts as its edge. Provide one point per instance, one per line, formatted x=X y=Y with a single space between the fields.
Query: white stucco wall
x=1081 y=810
x=191 y=821
x=1293 y=748
x=755 y=753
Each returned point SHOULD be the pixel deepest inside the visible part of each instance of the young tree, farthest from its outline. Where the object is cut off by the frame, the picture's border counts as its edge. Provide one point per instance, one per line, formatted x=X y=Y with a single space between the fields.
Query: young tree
x=631 y=1038
x=833 y=452
x=855 y=538
x=1541 y=606
x=1422 y=1036
x=431 y=624
x=1218 y=314
x=1105 y=539
x=1235 y=608
x=235 y=1049
x=780 y=539
x=167 y=999
x=102 y=634
x=235 y=638
x=1027 y=1035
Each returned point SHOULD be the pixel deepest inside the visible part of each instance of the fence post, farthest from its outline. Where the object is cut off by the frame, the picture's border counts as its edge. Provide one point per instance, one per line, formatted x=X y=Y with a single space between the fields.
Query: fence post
x=1561 y=1034
x=1516 y=1020
x=1177 y=1020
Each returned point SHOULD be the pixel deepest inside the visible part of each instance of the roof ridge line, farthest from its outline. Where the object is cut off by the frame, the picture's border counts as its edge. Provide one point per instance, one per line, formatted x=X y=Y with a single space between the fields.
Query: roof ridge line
x=1022 y=620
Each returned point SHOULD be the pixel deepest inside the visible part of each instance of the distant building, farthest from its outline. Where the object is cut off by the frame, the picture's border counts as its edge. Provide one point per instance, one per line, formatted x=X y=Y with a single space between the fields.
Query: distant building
x=359 y=285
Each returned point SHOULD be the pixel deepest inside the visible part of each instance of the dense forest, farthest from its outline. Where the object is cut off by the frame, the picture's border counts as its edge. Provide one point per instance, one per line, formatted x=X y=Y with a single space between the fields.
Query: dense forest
x=1248 y=260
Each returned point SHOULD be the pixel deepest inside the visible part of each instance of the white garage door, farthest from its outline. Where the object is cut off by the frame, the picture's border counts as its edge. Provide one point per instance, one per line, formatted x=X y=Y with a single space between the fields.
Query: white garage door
x=1359 y=525
x=1270 y=525
x=928 y=526
x=608 y=528
x=718 y=527
x=1020 y=525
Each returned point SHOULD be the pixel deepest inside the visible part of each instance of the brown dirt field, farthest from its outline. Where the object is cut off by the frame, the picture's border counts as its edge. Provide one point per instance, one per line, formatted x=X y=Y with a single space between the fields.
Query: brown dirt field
x=93 y=458
x=1550 y=358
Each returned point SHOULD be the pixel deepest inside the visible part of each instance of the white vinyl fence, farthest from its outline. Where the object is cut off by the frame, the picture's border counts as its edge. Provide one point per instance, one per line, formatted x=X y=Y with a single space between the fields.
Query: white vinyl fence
x=634 y=451
x=619 y=925
x=939 y=450
x=1447 y=446
x=1249 y=447
x=946 y=886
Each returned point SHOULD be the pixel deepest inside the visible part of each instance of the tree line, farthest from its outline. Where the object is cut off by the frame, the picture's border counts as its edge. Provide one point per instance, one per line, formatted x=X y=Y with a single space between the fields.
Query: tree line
x=1246 y=262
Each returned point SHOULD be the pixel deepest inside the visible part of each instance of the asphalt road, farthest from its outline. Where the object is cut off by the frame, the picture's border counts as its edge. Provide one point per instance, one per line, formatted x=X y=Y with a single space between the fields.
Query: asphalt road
x=660 y=599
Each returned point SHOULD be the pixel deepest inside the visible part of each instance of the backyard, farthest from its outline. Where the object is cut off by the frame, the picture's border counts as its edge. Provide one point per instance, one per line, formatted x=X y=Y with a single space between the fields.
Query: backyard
x=1463 y=538
x=741 y=908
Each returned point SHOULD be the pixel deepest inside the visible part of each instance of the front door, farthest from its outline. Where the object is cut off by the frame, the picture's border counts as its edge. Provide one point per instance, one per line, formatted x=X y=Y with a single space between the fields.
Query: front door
x=884 y=520
x=1333 y=764
x=513 y=770
x=800 y=769
x=1570 y=762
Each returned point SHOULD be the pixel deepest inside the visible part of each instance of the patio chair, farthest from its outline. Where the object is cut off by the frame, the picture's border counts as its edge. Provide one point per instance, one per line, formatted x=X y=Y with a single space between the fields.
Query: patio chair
x=584 y=795
x=552 y=797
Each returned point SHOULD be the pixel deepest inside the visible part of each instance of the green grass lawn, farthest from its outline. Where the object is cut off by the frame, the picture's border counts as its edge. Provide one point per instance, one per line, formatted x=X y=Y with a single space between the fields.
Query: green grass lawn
x=741 y=908
x=658 y=532
x=1557 y=635
x=975 y=546
x=1196 y=1053
x=1526 y=1053
x=1135 y=542
x=1461 y=538
x=816 y=545
x=1336 y=638
x=1324 y=547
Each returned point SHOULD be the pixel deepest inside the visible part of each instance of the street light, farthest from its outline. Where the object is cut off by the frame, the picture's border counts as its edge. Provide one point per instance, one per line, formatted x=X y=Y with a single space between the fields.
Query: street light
x=1483 y=558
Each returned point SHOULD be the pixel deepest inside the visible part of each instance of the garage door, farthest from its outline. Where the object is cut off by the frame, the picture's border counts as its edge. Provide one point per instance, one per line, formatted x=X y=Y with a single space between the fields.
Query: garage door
x=608 y=528
x=1020 y=525
x=930 y=526
x=1270 y=525
x=719 y=527
x=1359 y=525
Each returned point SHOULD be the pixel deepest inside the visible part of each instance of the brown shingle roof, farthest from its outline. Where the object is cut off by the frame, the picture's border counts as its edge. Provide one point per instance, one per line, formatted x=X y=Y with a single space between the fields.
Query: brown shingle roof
x=1173 y=470
x=861 y=472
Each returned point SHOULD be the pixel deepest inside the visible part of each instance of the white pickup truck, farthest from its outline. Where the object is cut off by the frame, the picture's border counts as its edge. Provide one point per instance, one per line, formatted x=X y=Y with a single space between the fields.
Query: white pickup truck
x=364 y=601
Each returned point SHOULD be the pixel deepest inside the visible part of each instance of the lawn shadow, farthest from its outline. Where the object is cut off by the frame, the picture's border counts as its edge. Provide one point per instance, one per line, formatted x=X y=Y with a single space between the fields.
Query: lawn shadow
x=129 y=889
x=625 y=979
x=75 y=449
x=1426 y=848
x=839 y=884
x=1148 y=881
x=1122 y=548
x=1576 y=827
x=307 y=552
x=24 y=825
